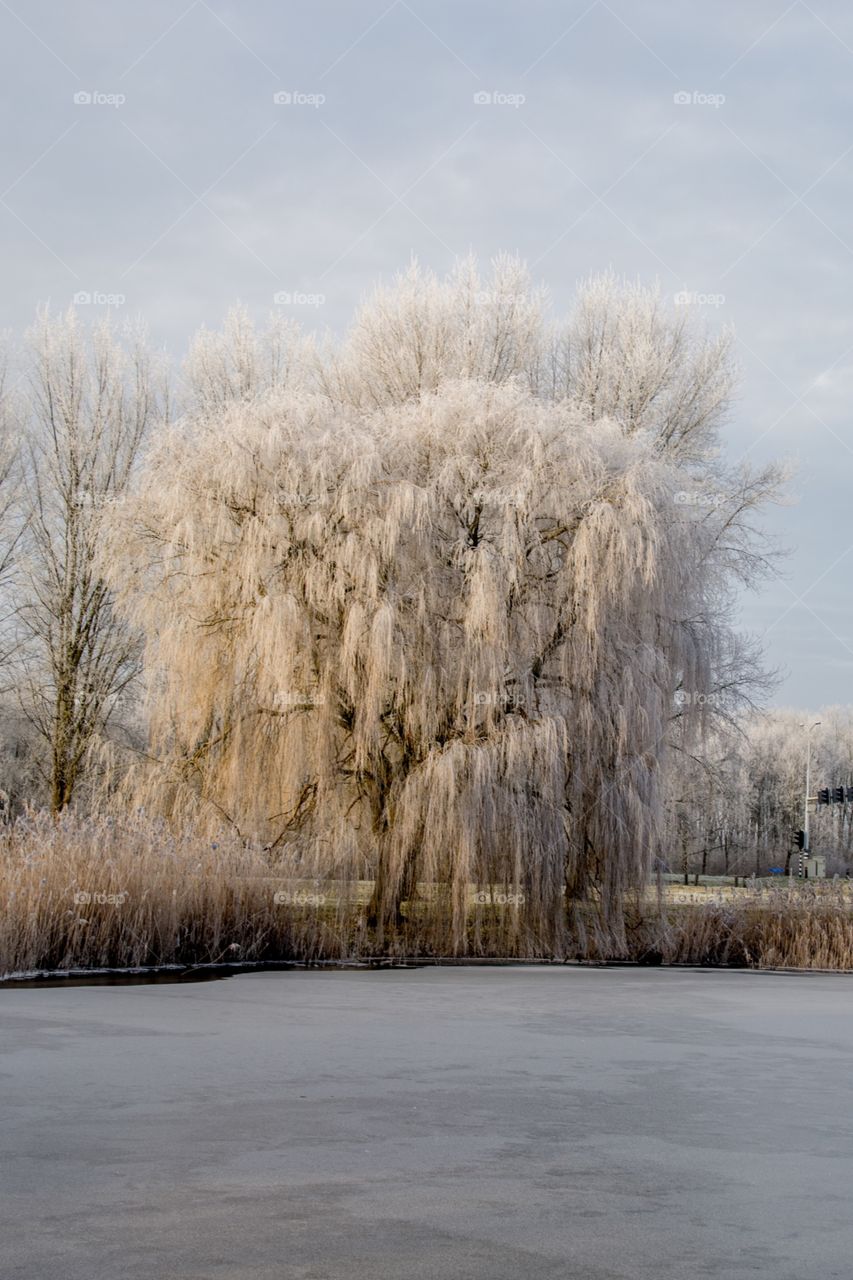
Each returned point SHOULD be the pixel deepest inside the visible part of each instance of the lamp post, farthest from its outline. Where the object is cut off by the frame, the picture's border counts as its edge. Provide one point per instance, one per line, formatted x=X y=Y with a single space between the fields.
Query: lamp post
x=808 y=730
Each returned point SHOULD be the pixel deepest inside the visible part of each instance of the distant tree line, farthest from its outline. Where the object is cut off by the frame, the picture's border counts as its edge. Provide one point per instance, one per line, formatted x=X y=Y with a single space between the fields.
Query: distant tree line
x=734 y=808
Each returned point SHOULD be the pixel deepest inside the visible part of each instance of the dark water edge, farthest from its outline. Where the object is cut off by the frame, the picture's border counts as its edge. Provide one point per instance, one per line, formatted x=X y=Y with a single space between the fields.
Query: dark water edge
x=179 y=973
x=176 y=974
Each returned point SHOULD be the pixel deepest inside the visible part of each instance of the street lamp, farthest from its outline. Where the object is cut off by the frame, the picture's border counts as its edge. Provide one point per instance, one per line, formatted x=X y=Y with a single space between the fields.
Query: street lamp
x=808 y=730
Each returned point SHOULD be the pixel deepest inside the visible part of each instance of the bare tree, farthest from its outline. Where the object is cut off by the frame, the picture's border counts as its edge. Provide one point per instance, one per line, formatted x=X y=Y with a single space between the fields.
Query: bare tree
x=239 y=364
x=92 y=399
x=414 y=335
x=12 y=519
x=624 y=354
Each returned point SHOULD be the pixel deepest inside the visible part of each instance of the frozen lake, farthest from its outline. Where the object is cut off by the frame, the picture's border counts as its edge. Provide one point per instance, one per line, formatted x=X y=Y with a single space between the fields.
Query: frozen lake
x=473 y=1124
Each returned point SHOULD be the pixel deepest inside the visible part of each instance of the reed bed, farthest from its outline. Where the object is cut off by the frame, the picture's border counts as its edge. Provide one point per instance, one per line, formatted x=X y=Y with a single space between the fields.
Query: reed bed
x=95 y=893
x=801 y=926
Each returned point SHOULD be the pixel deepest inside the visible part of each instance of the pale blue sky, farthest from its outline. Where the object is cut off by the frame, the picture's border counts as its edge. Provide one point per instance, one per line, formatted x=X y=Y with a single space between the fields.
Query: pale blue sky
x=198 y=189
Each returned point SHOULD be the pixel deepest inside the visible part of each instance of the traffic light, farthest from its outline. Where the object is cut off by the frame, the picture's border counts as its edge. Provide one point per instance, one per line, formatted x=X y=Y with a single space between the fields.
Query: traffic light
x=800 y=839
x=838 y=795
x=849 y=796
x=823 y=795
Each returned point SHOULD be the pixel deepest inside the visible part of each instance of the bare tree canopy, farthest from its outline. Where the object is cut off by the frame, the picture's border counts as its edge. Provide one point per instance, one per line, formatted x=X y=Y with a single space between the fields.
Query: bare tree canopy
x=92 y=397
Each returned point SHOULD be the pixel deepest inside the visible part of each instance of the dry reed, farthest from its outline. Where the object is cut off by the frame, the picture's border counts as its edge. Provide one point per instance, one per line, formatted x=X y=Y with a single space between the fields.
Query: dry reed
x=97 y=893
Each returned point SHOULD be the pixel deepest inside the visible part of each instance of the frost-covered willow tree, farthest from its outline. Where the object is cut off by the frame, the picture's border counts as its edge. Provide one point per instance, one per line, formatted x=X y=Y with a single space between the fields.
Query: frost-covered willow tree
x=414 y=616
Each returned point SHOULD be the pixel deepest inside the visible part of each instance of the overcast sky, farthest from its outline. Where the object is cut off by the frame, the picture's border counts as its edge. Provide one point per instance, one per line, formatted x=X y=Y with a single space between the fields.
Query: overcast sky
x=145 y=157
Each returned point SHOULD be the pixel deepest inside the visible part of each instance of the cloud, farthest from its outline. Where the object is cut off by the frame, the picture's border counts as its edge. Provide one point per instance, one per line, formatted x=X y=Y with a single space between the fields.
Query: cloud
x=199 y=189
